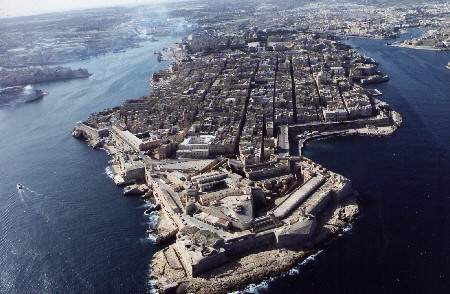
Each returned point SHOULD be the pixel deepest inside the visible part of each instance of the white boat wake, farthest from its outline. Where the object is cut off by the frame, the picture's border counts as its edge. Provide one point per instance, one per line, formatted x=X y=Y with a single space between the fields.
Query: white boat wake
x=32 y=200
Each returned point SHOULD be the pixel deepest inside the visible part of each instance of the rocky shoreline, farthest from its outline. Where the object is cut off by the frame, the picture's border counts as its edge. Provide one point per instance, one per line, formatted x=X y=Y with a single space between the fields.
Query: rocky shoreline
x=243 y=269
x=235 y=205
x=250 y=268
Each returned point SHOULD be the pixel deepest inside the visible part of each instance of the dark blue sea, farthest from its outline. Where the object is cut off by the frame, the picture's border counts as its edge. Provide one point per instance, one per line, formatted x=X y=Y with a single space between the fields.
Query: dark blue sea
x=401 y=241
x=72 y=231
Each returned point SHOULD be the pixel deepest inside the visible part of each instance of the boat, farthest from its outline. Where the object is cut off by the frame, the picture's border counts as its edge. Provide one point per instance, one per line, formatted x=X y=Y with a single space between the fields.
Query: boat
x=19 y=94
x=20 y=186
x=374 y=92
x=375 y=79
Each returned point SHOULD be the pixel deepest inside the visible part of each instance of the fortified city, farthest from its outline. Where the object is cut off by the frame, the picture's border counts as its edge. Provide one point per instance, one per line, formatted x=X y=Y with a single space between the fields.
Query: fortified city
x=217 y=145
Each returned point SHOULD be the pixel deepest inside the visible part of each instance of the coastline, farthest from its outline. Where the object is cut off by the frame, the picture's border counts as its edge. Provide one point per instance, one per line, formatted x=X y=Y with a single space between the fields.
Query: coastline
x=418 y=47
x=105 y=242
x=241 y=269
x=254 y=267
x=368 y=37
x=249 y=268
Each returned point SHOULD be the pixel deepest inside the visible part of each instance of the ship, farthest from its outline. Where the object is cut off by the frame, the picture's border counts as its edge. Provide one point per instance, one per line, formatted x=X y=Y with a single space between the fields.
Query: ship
x=20 y=186
x=19 y=94
x=374 y=79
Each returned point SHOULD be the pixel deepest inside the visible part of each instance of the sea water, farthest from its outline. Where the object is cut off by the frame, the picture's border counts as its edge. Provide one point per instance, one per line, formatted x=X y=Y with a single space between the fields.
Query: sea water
x=400 y=242
x=70 y=230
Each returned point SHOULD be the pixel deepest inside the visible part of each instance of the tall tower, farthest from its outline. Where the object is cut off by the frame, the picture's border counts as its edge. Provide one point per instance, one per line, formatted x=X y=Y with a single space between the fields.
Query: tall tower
x=350 y=77
x=191 y=199
x=263 y=135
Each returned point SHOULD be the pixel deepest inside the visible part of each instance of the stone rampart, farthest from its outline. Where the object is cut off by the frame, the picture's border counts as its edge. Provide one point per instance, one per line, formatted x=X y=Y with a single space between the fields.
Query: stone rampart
x=250 y=242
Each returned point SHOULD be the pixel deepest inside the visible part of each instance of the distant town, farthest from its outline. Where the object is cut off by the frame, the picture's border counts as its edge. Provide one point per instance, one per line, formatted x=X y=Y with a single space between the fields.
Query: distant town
x=58 y=38
x=434 y=39
x=52 y=39
x=35 y=75
x=33 y=48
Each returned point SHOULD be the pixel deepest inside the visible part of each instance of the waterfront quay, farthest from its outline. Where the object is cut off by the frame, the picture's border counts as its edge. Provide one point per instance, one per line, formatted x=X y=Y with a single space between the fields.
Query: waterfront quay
x=211 y=147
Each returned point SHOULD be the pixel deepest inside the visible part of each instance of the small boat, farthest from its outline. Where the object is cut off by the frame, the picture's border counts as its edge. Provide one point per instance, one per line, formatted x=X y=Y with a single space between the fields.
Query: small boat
x=20 y=186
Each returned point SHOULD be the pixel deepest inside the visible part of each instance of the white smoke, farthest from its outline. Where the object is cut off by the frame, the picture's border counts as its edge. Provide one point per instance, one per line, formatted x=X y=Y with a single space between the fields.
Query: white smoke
x=28 y=90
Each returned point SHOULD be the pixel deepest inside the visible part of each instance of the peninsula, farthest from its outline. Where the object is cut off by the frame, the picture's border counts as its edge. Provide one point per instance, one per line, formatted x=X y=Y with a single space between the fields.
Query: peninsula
x=213 y=146
x=218 y=144
x=33 y=75
x=435 y=39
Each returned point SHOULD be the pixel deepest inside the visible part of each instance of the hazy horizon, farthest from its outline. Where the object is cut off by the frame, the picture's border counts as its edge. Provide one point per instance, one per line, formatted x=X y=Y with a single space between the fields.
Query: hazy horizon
x=16 y=8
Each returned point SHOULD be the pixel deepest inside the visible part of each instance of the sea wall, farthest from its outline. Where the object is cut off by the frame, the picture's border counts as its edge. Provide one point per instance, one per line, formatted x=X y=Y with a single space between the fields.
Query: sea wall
x=93 y=136
x=379 y=121
x=250 y=242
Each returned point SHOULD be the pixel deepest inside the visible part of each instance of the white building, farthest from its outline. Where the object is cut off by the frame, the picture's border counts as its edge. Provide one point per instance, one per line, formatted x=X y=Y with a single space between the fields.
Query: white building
x=195 y=146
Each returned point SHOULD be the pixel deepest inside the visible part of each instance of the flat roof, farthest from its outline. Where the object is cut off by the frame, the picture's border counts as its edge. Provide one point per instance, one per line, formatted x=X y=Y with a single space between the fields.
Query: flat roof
x=297 y=197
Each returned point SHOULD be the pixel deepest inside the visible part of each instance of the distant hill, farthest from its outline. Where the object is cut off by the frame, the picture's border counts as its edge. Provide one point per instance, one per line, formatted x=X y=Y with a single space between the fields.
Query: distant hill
x=392 y=2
